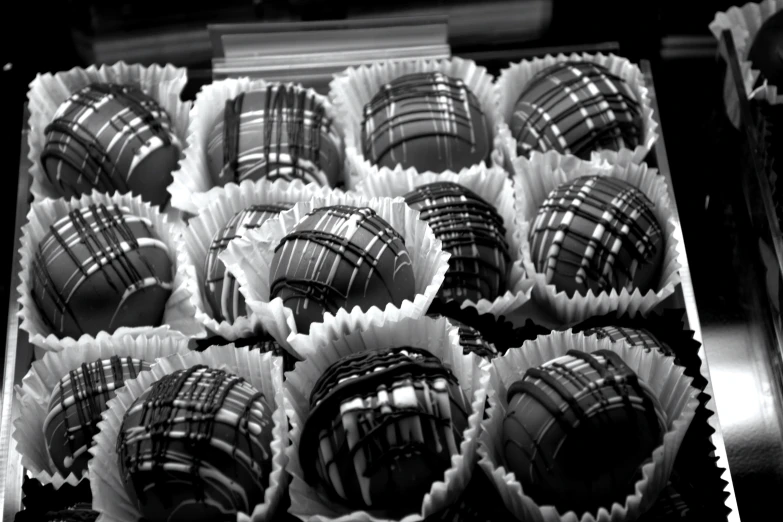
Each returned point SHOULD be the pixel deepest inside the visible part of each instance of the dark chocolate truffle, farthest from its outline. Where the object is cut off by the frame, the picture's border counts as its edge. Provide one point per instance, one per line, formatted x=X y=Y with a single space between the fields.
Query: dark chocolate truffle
x=578 y=430
x=340 y=257
x=262 y=342
x=111 y=138
x=75 y=409
x=100 y=268
x=196 y=447
x=383 y=427
x=472 y=232
x=639 y=337
x=766 y=52
x=428 y=121
x=78 y=513
x=281 y=132
x=221 y=289
x=471 y=340
x=597 y=233
x=576 y=108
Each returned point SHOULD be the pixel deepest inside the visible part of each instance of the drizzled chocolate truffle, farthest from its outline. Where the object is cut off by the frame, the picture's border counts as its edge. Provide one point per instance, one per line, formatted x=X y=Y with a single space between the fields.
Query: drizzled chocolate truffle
x=111 y=138
x=196 y=447
x=576 y=108
x=766 y=52
x=639 y=337
x=280 y=132
x=578 y=430
x=383 y=427
x=340 y=257
x=221 y=289
x=427 y=120
x=472 y=232
x=100 y=268
x=597 y=233
x=471 y=340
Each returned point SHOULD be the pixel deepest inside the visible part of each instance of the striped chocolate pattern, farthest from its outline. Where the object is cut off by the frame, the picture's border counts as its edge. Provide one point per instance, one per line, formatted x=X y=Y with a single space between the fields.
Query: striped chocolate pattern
x=382 y=428
x=100 y=268
x=340 y=257
x=578 y=429
x=472 y=232
x=76 y=405
x=196 y=446
x=597 y=233
x=638 y=337
x=429 y=121
x=576 y=108
x=221 y=289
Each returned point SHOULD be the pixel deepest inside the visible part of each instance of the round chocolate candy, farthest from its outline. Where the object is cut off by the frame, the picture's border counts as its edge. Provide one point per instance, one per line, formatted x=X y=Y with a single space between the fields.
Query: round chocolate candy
x=766 y=52
x=75 y=409
x=597 y=233
x=100 y=268
x=262 y=342
x=340 y=257
x=471 y=340
x=427 y=120
x=472 y=232
x=578 y=430
x=111 y=138
x=280 y=132
x=196 y=446
x=639 y=337
x=221 y=290
x=383 y=427
x=576 y=108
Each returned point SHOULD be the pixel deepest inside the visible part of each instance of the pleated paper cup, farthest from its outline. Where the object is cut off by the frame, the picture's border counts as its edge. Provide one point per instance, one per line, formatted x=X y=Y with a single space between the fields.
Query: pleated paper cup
x=355 y=87
x=48 y=91
x=491 y=184
x=534 y=179
x=314 y=503
x=192 y=188
x=671 y=386
x=211 y=219
x=744 y=23
x=250 y=259
x=263 y=371
x=178 y=316
x=38 y=385
x=513 y=80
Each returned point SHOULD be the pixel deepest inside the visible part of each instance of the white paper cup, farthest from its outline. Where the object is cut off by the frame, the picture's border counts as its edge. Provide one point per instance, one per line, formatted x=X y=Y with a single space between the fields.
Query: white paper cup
x=355 y=87
x=534 y=179
x=250 y=258
x=178 y=316
x=435 y=335
x=672 y=387
x=48 y=91
x=263 y=371
x=491 y=184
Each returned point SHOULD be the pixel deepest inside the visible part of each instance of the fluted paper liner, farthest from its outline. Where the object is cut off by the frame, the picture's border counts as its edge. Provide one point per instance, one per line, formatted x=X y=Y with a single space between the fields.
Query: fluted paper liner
x=491 y=184
x=250 y=258
x=355 y=87
x=534 y=179
x=513 y=80
x=744 y=23
x=435 y=335
x=192 y=188
x=48 y=91
x=178 y=316
x=672 y=387
x=212 y=218
x=38 y=385
x=262 y=371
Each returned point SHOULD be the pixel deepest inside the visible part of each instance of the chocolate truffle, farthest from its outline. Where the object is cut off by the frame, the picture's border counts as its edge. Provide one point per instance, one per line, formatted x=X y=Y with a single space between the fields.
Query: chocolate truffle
x=472 y=232
x=639 y=337
x=578 y=430
x=280 y=132
x=597 y=233
x=471 y=340
x=196 y=446
x=766 y=52
x=262 y=342
x=427 y=120
x=576 y=108
x=111 y=138
x=100 y=268
x=340 y=257
x=75 y=409
x=221 y=290
x=383 y=427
